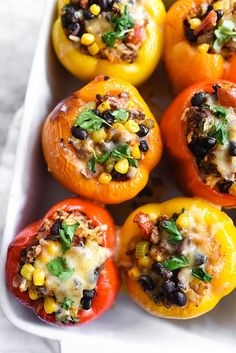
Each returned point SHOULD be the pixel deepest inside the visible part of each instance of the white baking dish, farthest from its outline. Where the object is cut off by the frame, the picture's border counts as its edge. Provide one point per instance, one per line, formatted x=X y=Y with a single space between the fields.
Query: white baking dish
x=33 y=191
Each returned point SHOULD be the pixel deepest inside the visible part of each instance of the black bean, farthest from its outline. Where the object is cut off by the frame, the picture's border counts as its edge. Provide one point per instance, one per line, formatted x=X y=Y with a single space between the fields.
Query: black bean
x=199 y=151
x=200 y=259
x=88 y=15
x=209 y=9
x=88 y=293
x=55 y=227
x=65 y=21
x=189 y=33
x=86 y=303
x=168 y=287
x=96 y=111
x=74 y=29
x=160 y=270
x=99 y=97
x=107 y=115
x=198 y=99
x=143 y=146
x=106 y=78
x=118 y=176
x=79 y=133
x=232 y=148
x=220 y=14
x=216 y=87
x=224 y=186
x=143 y=130
x=208 y=142
x=146 y=282
x=178 y=298
x=104 y=4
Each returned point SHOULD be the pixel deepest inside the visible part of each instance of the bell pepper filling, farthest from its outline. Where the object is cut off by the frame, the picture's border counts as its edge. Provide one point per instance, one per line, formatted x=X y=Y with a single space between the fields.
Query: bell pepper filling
x=175 y=257
x=61 y=268
x=212 y=27
x=211 y=137
x=110 y=137
x=107 y=29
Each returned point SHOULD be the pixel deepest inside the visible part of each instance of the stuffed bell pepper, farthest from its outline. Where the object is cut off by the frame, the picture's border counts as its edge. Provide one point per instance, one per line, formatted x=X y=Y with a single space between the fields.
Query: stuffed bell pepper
x=179 y=257
x=103 y=141
x=199 y=130
x=200 y=42
x=121 y=38
x=62 y=266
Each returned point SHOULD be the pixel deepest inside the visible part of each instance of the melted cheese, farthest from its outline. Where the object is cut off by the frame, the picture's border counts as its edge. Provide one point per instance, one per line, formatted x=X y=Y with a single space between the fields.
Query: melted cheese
x=84 y=260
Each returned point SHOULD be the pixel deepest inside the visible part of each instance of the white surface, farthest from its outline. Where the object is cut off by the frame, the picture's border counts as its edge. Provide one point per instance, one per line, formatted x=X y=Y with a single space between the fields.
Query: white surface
x=125 y=327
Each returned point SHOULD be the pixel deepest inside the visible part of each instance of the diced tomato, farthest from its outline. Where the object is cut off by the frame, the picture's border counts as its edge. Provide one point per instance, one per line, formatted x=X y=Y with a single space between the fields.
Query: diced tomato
x=137 y=36
x=144 y=223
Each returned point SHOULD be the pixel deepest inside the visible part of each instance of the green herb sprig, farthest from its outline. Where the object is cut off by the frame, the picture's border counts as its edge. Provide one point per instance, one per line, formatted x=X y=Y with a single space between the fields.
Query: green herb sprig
x=176 y=262
x=201 y=274
x=58 y=267
x=67 y=233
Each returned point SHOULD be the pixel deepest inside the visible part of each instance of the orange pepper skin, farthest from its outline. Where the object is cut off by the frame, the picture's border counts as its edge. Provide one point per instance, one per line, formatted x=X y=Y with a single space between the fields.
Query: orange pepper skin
x=62 y=161
x=173 y=129
x=222 y=283
x=109 y=281
x=87 y=67
x=185 y=64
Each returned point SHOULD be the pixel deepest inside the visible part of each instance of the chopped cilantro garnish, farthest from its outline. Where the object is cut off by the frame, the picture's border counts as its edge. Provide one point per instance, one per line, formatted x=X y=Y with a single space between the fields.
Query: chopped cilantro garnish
x=58 y=267
x=67 y=234
x=92 y=164
x=176 y=262
x=201 y=274
x=220 y=132
x=170 y=227
x=89 y=121
x=120 y=115
x=67 y=303
x=122 y=25
x=220 y=112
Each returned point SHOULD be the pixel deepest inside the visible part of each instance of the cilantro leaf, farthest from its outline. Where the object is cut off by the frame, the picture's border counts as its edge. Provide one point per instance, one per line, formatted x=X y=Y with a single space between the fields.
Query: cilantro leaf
x=120 y=115
x=220 y=112
x=67 y=234
x=219 y=131
x=67 y=303
x=89 y=121
x=201 y=274
x=223 y=34
x=176 y=262
x=92 y=164
x=104 y=157
x=58 y=267
x=170 y=227
x=122 y=25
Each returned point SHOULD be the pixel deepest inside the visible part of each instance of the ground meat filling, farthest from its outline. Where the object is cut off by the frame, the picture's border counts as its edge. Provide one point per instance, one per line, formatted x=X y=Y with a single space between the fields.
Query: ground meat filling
x=175 y=257
x=107 y=29
x=211 y=137
x=212 y=27
x=110 y=137
x=60 y=269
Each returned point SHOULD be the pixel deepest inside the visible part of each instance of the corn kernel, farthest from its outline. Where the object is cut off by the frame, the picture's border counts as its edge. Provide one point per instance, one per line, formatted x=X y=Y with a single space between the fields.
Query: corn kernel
x=39 y=277
x=27 y=271
x=132 y=126
x=136 y=152
x=145 y=261
x=93 y=49
x=33 y=294
x=87 y=39
x=122 y=166
x=194 y=23
x=95 y=9
x=104 y=106
x=99 y=136
x=53 y=247
x=203 y=48
x=218 y=6
x=134 y=273
x=50 y=305
x=153 y=217
x=109 y=166
x=182 y=221
x=104 y=178
x=118 y=126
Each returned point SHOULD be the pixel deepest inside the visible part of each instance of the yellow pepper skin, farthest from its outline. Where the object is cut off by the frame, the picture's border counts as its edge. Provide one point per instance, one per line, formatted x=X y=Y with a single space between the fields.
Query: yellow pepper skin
x=222 y=283
x=87 y=67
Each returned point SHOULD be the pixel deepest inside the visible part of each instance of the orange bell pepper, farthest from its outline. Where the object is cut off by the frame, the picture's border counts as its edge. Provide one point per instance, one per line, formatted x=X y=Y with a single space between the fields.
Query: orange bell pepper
x=87 y=67
x=108 y=284
x=173 y=128
x=223 y=236
x=63 y=161
x=185 y=63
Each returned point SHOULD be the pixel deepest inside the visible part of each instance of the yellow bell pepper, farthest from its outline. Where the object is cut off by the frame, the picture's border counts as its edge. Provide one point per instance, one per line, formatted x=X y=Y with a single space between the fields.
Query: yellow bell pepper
x=86 y=67
x=223 y=234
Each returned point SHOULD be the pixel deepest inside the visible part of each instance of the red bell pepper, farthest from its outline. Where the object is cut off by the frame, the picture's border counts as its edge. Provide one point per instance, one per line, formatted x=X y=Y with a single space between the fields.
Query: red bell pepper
x=108 y=283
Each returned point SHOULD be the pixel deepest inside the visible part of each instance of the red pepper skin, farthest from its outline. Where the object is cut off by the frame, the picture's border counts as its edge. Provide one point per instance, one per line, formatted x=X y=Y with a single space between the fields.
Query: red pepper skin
x=173 y=129
x=109 y=281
